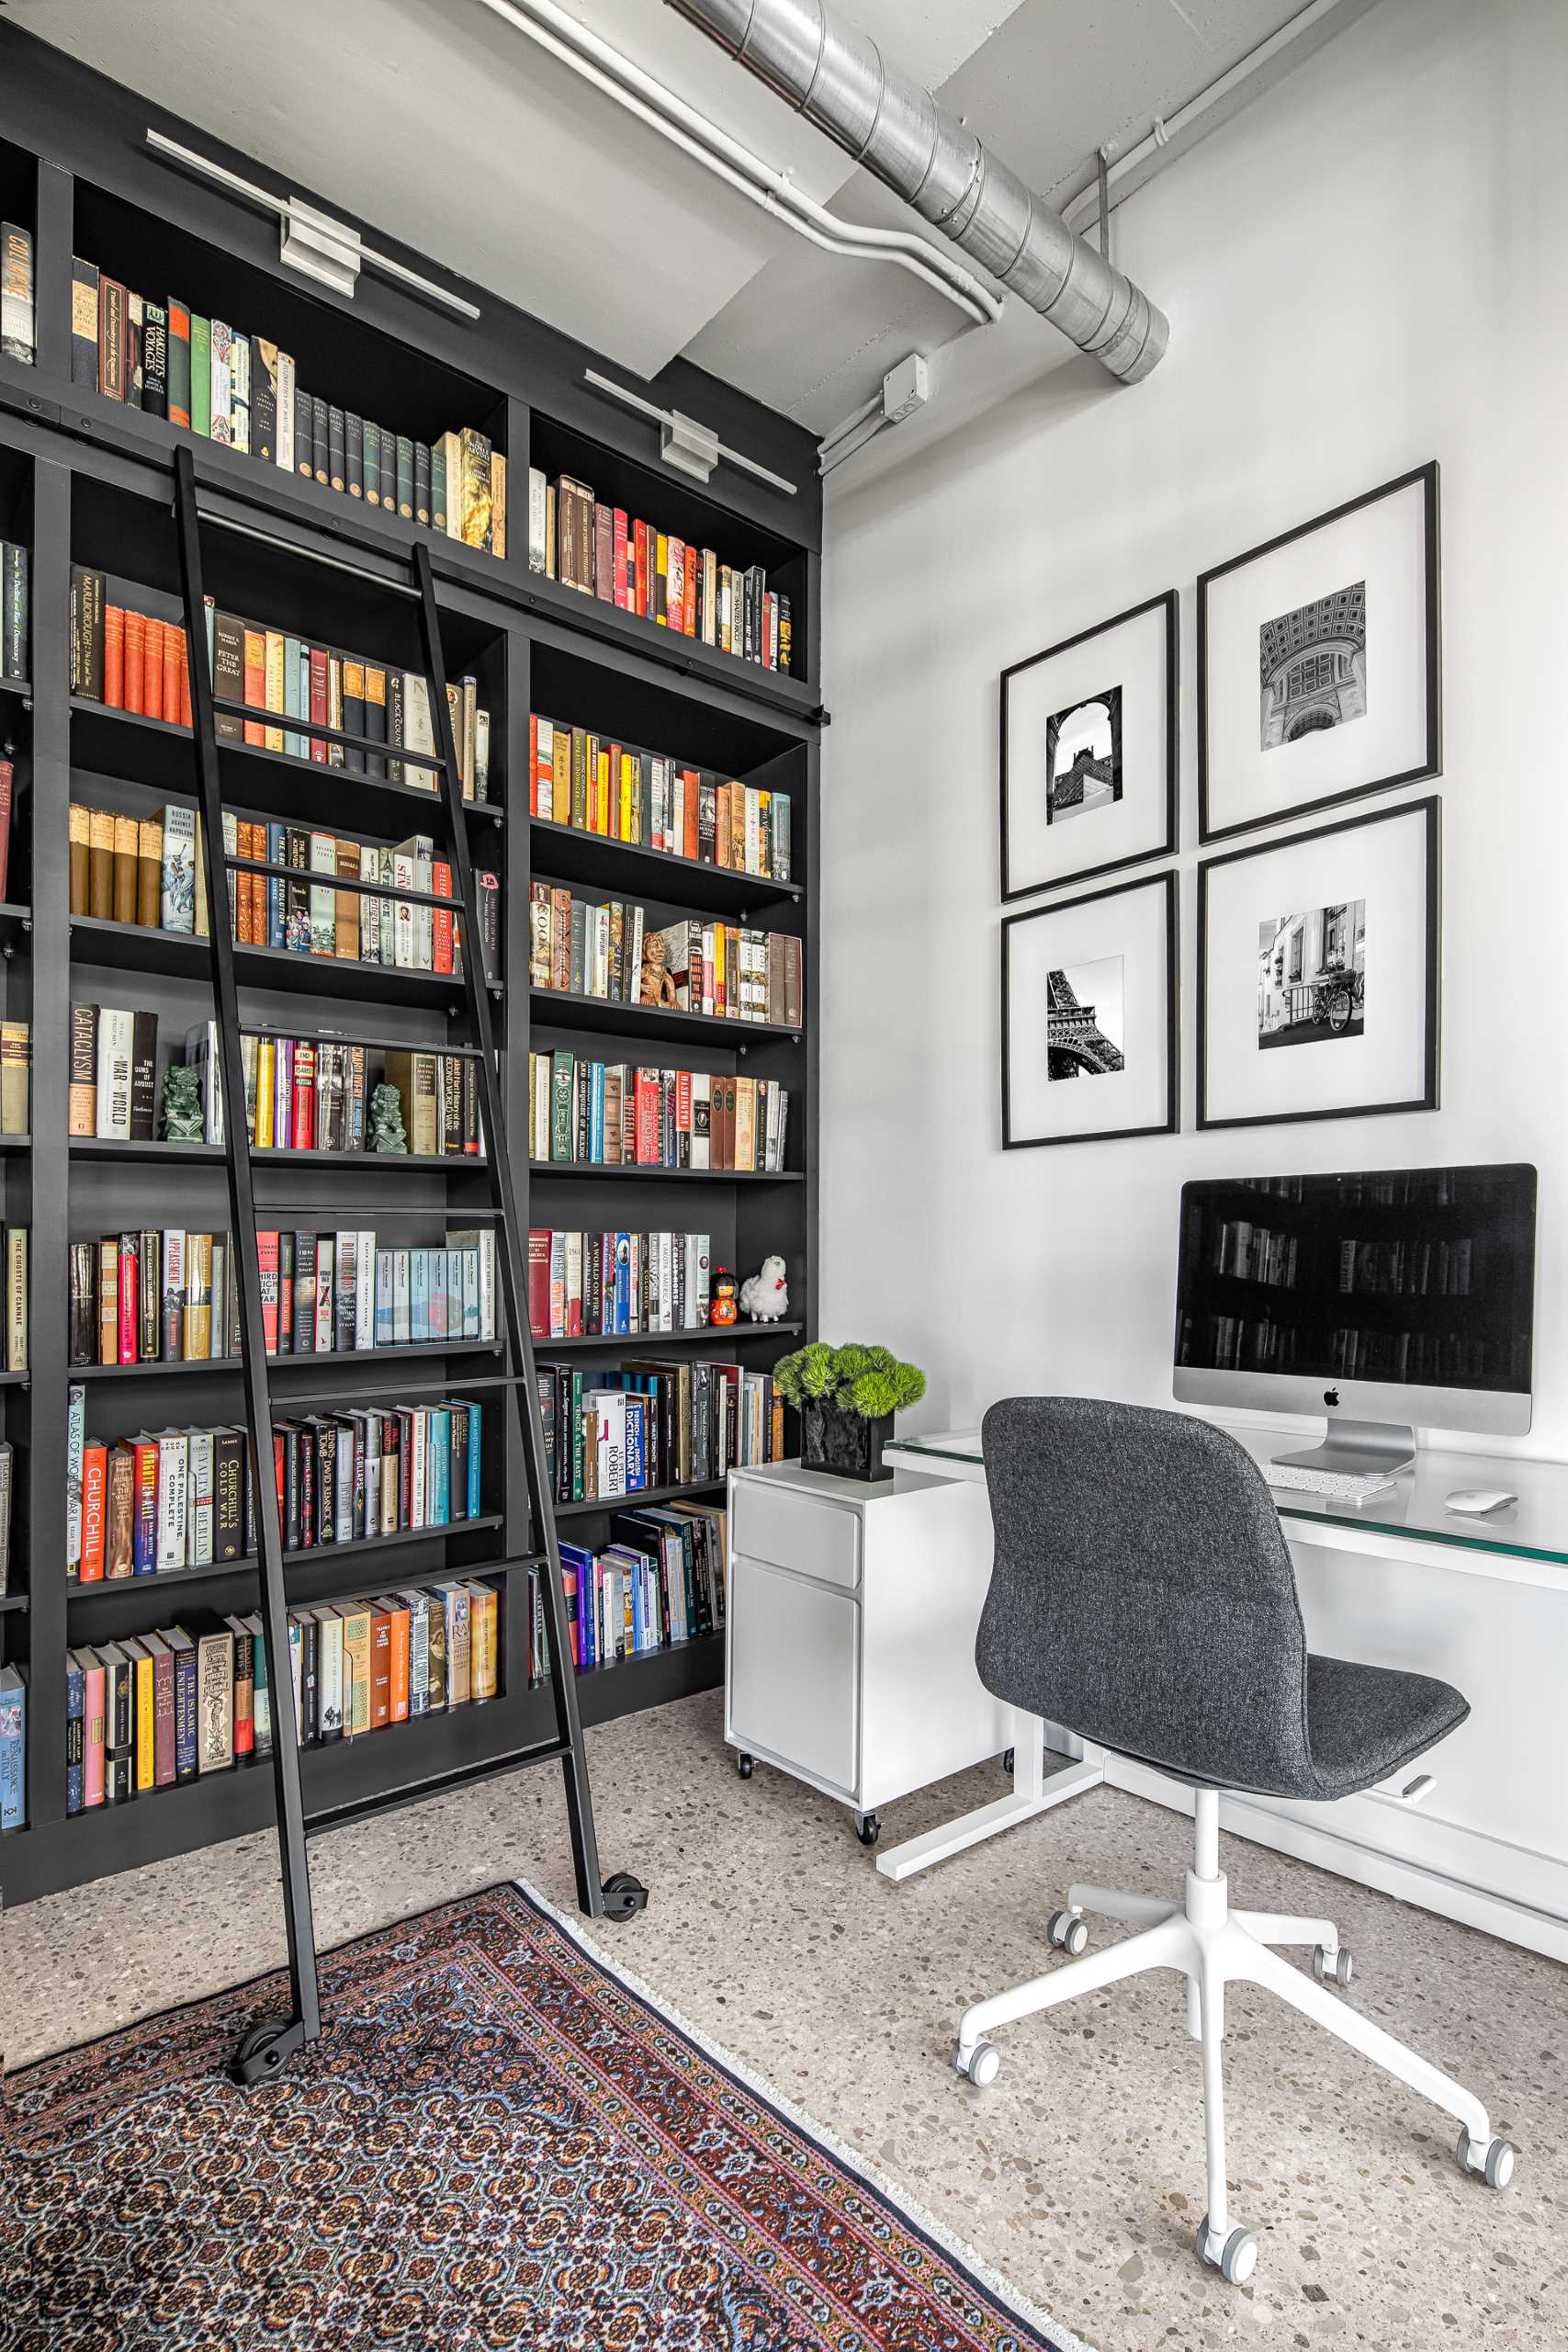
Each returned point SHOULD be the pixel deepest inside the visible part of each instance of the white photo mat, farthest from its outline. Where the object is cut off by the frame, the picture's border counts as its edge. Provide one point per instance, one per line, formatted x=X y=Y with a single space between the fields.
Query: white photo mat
x=1386 y=543
x=1133 y=924
x=1138 y=654
x=1388 y=1060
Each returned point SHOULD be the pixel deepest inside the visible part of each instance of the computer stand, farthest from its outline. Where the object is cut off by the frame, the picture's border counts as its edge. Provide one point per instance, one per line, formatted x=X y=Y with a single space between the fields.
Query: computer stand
x=1356 y=1448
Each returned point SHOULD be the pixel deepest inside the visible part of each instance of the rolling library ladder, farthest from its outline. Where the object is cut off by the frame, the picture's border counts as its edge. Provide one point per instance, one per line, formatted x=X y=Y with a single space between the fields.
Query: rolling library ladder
x=266 y=2047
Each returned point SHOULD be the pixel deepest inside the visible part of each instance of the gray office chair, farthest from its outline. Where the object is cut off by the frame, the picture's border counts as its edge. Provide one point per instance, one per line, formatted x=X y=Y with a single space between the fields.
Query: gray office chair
x=1143 y=1596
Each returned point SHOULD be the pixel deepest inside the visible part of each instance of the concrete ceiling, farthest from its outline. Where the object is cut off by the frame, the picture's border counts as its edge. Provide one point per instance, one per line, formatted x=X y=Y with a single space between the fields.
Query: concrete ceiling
x=444 y=126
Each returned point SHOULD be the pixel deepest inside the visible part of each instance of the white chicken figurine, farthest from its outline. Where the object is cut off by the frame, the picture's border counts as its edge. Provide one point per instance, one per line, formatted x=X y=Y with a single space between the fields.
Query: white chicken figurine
x=764 y=1296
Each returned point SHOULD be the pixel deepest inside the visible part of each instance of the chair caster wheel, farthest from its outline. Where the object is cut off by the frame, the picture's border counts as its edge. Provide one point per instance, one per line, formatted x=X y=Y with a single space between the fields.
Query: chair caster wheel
x=1334 y=1969
x=625 y=1896
x=1008 y=1761
x=1068 y=1932
x=1236 y=2260
x=745 y=1766
x=1495 y=2167
x=982 y=2065
x=868 y=1829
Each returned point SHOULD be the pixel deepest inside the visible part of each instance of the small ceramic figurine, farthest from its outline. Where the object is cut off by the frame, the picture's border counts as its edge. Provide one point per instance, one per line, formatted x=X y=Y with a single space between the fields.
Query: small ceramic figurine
x=182 y=1120
x=387 y=1121
x=764 y=1296
x=723 y=1311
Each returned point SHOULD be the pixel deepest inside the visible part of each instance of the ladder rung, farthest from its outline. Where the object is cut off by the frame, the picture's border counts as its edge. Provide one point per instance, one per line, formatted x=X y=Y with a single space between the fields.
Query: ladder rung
x=460 y=1776
x=360 y=1037
x=321 y=881
x=378 y=746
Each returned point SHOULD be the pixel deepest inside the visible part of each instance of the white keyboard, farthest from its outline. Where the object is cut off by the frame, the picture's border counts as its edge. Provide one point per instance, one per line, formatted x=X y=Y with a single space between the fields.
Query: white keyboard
x=1341 y=1486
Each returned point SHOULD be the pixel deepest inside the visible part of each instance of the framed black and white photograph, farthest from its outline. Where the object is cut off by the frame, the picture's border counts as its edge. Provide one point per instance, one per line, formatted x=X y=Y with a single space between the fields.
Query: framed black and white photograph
x=1319 y=664
x=1089 y=752
x=1088 y=1017
x=1318 y=973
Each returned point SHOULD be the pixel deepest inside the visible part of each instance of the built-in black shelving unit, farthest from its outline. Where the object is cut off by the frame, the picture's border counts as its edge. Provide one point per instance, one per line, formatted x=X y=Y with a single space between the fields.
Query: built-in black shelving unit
x=83 y=479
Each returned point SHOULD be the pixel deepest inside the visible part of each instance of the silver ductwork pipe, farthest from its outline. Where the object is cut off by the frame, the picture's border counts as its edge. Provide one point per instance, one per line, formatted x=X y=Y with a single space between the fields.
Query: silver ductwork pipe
x=837 y=77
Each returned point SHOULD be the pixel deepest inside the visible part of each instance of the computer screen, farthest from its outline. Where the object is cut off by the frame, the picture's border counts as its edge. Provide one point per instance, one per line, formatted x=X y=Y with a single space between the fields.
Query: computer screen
x=1419 y=1279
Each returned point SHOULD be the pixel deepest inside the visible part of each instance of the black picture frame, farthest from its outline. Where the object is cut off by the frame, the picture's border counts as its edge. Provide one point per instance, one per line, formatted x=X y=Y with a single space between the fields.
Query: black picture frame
x=1171 y=1124
x=1168 y=599
x=1431 y=763
x=1430 y=807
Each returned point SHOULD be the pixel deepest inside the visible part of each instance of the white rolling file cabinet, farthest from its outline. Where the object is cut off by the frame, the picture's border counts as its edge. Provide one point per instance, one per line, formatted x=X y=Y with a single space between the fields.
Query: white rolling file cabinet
x=849 y=1635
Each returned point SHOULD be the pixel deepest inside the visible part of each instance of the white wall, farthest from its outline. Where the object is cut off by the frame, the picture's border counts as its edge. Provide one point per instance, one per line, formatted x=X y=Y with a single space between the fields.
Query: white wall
x=1365 y=270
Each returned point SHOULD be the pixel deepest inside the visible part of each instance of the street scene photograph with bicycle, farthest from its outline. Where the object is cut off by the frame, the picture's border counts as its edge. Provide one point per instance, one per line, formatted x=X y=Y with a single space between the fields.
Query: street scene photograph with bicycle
x=1312 y=975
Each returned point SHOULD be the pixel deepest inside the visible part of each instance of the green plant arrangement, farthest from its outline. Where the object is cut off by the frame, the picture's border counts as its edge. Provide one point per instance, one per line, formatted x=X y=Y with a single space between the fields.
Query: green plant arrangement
x=846 y=1398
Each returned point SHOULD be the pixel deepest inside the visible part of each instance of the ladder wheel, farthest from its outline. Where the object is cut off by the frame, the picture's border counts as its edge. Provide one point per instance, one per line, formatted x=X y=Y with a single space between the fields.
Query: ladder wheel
x=264 y=2052
x=625 y=1896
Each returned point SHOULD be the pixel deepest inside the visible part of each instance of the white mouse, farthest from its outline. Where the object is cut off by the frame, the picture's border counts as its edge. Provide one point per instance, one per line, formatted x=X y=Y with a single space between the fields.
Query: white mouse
x=1477 y=1499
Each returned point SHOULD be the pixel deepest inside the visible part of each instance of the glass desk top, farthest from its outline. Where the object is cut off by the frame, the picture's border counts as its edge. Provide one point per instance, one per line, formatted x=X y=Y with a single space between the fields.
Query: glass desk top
x=1533 y=1528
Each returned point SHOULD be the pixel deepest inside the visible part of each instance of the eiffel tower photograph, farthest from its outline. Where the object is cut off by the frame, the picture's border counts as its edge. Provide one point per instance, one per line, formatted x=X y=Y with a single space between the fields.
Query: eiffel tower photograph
x=1083 y=1026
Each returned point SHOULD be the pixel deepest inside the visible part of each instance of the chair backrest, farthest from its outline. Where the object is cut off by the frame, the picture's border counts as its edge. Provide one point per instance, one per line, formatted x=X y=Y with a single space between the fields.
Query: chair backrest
x=1143 y=1593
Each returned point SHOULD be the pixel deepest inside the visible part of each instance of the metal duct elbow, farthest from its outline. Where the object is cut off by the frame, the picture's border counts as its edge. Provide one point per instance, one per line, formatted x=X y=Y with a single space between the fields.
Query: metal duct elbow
x=835 y=75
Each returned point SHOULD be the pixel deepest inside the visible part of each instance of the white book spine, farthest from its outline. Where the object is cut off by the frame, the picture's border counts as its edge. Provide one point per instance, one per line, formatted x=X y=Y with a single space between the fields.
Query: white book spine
x=402 y=1283
x=285 y=441
x=76 y=1439
x=329 y=1670
x=173 y=1500
x=536 y=519
x=365 y=1292
x=417 y=1481
x=200 y=1512
x=324 y=1307
x=117 y=1031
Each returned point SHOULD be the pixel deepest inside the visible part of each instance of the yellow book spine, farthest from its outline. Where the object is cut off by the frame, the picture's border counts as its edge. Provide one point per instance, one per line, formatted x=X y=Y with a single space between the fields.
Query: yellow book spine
x=274 y=685
x=145 y=1763
x=266 y=1078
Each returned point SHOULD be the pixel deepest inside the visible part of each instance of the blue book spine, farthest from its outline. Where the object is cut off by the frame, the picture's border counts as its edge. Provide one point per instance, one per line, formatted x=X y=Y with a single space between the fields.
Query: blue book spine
x=475 y=1506
x=419 y=1294
x=13 y=1755
x=455 y=1325
x=383 y=1298
x=597 y=1114
x=438 y=1472
x=75 y=1735
x=276 y=902
x=582 y=1563
x=470 y=1281
x=634 y=1572
x=440 y=1296
x=185 y=1715
x=623 y=1317
x=637 y=1472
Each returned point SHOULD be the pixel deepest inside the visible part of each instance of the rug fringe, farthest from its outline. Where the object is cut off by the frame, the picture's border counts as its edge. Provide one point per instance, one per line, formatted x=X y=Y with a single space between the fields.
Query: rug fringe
x=1018 y=2305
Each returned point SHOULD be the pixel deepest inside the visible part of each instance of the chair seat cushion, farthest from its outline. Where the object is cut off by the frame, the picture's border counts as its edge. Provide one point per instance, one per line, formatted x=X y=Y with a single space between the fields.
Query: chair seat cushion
x=1364 y=1722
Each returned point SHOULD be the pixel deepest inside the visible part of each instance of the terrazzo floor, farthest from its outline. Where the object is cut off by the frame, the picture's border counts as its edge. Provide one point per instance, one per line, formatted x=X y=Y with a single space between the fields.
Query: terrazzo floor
x=1079 y=2173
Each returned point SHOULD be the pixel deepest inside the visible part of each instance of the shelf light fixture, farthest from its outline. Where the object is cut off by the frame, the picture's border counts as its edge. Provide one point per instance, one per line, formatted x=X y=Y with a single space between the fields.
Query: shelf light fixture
x=310 y=241
x=691 y=447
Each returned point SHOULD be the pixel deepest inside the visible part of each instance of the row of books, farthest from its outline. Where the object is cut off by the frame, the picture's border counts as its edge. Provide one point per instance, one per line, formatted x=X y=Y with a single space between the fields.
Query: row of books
x=13 y=610
x=15 y=1077
x=172 y=1296
x=584 y=780
x=613 y=1285
x=1253 y=1252
x=310 y=917
x=617 y=1114
x=160 y=1709
x=660 y=1580
x=607 y=950
x=16 y=1286
x=1447 y=1359
x=17 y=340
x=1412 y=1267
x=150 y=871
x=12 y=1748
x=241 y=389
x=144 y=668
x=602 y=551
x=1236 y=1343
x=654 y=1424
x=165 y=1501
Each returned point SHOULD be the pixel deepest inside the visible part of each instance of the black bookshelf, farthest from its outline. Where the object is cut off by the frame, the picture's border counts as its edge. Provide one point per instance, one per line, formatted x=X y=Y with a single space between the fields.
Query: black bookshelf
x=83 y=479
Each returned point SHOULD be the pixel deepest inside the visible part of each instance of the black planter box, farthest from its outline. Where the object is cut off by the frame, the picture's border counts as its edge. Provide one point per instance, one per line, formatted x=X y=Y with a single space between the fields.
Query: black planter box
x=845 y=1443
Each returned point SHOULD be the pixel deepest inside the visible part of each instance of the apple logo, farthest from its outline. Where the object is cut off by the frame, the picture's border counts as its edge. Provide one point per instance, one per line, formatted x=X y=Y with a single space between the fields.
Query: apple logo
x=1331 y=1396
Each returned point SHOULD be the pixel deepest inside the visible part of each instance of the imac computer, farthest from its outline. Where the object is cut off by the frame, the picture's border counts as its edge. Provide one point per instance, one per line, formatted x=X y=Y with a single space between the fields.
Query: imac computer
x=1383 y=1299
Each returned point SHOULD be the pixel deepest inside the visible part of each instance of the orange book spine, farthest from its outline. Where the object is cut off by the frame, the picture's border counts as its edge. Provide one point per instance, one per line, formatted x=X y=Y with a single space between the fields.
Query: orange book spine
x=256 y=683
x=135 y=662
x=399 y=1693
x=381 y=1669
x=113 y=656
x=152 y=669
x=185 y=718
x=173 y=661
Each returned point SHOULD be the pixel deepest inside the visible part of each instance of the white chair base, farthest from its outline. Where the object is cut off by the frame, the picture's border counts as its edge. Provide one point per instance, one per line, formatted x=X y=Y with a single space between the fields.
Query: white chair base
x=1213 y=1946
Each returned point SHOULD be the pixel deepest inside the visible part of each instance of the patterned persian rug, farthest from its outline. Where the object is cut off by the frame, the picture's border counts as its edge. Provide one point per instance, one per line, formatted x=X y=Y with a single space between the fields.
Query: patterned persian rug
x=497 y=2142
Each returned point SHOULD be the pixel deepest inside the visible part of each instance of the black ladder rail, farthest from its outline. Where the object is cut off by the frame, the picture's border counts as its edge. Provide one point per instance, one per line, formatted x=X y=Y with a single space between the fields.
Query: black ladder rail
x=622 y=1895
x=263 y=2050
x=266 y=2047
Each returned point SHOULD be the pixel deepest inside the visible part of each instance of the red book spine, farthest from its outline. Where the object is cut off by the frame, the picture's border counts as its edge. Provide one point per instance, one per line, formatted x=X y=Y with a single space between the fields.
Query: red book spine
x=7 y=786
x=689 y=596
x=135 y=662
x=319 y=705
x=683 y=1105
x=621 y=588
x=152 y=669
x=95 y=1489
x=128 y=1323
x=266 y=1266
x=440 y=923
x=539 y=1281
x=113 y=656
x=279 y=1471
x=174 y=662
x=302 y=1123
x=646 y=1121
x=639 y=568
x=185 y=718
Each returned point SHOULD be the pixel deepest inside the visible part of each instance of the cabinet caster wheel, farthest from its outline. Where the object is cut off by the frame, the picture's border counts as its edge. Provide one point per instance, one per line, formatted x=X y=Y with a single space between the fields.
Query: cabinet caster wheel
x=982 y=2065
x=1497 y=2167
x=745 y=1766
x=868 y=1829
x=265 y=2051
x=1008 y=1761
x=1068 y=1932
x=625 y=1896
x=1237 y=2258
x=1334 y=1969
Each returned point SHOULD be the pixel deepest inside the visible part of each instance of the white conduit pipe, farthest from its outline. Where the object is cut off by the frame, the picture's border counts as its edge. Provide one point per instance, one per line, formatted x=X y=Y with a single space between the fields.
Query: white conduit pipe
x=774 y=192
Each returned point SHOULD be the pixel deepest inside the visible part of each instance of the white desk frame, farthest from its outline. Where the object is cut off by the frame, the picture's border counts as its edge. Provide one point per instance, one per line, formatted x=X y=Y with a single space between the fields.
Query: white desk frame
x=1484 y=1871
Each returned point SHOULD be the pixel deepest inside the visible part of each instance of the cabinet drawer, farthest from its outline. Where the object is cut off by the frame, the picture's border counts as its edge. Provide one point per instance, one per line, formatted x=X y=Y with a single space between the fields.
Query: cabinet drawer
x=793 y=1673
x=816 y=1538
